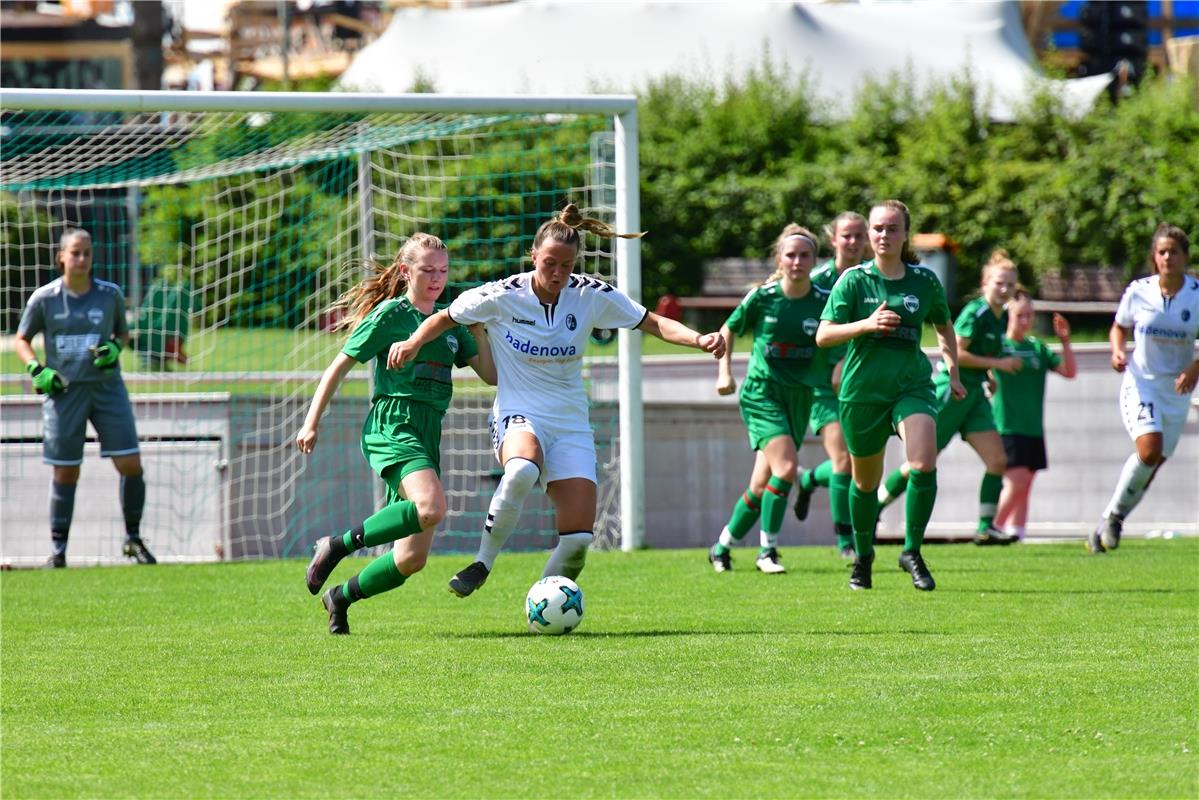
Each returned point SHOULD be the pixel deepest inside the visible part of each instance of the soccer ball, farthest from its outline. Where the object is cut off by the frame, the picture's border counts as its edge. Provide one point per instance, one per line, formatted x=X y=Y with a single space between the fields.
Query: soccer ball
x=554 y=605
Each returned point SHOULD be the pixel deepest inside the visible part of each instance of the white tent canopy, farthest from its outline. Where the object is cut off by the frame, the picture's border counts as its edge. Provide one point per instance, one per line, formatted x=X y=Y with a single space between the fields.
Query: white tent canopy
x=567 y=47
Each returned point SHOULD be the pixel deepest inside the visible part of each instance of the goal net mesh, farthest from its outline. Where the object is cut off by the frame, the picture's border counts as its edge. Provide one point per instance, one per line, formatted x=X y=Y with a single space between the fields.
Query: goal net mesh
x=231 y=234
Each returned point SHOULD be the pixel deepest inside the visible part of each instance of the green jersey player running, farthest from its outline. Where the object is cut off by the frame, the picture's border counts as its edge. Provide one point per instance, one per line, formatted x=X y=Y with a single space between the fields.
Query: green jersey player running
x=848 y=235
x=401 y=438
x=980 y=328
x=776 y=399
x=886 y=386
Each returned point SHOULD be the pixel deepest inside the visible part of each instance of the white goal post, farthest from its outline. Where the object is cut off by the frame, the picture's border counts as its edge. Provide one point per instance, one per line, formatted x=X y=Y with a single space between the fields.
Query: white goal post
x=33 y=175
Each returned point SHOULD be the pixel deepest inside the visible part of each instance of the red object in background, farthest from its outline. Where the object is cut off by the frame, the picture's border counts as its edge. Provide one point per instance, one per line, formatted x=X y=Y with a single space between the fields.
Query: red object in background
x=174 y=349
x=330 y=318
x=668 y=306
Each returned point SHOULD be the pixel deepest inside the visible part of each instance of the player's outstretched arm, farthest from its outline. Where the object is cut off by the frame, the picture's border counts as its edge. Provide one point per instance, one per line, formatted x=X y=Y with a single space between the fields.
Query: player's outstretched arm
x=330 y=380
x=669 y=330
x=403 y=352
x=949 y=355
x=725 y=382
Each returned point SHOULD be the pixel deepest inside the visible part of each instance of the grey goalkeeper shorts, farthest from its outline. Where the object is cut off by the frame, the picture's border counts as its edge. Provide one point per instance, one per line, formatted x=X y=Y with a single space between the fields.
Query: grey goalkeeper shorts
x=66 y=414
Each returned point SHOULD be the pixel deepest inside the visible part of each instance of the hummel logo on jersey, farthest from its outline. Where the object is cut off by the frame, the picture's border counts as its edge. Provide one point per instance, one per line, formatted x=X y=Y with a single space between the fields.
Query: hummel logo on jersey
x=871 y=300
x=520 y=321
x=911 y=302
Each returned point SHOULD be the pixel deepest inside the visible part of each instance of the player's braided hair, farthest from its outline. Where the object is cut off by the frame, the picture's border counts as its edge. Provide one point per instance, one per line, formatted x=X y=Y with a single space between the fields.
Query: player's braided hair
x=567 y=223
x=385 y=283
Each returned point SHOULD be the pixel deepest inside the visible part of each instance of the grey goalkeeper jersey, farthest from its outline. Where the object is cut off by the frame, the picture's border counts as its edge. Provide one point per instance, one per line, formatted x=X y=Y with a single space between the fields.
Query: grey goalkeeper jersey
x=72 y=324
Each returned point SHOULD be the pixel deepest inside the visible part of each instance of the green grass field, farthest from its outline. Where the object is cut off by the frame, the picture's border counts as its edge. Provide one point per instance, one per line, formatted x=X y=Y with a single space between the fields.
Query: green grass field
x=1033 y=671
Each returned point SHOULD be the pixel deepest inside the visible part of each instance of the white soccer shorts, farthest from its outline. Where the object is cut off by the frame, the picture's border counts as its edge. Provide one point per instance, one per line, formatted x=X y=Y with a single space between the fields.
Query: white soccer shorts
x=567 y=453
x=1153 y=407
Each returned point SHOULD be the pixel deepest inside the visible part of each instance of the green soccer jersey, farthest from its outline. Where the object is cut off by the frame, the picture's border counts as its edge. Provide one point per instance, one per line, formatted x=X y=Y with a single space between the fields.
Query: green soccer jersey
x=979 y=324
x=825 y=276
x=784 y=331
x=880 y=367
x=426 y=378
x=1019 y=405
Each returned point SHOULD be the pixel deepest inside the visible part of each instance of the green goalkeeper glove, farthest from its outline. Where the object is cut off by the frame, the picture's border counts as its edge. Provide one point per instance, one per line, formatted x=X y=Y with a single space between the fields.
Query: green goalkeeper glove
x=45 y=380
x=107 y=355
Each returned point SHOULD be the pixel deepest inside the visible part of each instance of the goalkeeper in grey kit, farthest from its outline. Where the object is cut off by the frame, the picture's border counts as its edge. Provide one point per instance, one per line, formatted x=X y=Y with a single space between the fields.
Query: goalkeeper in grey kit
x=82 y=321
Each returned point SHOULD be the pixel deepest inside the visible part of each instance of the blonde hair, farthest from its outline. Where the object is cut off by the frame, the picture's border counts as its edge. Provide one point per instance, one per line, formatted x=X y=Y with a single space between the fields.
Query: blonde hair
x=907 y=255
x=791 y=229
x=999 y=260
x=67 y=235
x=566 y=224
x=386 y=282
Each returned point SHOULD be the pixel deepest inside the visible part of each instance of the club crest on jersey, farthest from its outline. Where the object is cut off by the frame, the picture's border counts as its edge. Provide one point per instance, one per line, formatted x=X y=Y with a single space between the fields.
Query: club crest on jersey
x=95 y=316
x=571 y=322
x=452 y=342
x=911 y=303
x=1186 y=315
x=810 y=325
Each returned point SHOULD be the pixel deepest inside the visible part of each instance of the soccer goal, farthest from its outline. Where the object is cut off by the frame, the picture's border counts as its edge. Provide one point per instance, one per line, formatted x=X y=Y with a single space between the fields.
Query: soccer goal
x=231 y=221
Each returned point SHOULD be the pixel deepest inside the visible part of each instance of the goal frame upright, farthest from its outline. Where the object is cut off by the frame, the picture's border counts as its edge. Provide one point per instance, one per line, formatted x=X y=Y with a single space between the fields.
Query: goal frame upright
x=622 y=109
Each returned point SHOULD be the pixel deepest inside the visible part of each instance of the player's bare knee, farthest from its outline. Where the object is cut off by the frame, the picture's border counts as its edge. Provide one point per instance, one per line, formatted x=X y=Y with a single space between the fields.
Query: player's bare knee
x=410 y=563
x=921 y=465
x=431 y=510
x=66 y=475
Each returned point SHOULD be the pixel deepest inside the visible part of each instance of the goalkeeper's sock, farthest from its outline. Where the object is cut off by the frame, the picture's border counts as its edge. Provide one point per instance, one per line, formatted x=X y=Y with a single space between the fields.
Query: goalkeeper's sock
x=746 y=511
x=922 y=496
x=62 y=508
x=133 y=501
x=389 y=523
x=894 y=485
x=988 y=499
x=863 y=508
x=379 y=576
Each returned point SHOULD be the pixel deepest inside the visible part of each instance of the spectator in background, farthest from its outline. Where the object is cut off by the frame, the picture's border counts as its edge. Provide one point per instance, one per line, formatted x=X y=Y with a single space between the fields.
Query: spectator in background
x=1163 y=310
x=979 y=328
x=776 y=399
x=401 y=438
x=848 y=235
x=878 y=308
x=82 y=321
x=1020 y=407
x=538 y=323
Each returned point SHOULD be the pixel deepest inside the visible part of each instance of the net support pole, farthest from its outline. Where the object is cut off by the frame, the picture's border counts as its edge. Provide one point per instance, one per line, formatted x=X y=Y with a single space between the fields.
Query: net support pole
x=628 y=278
x=366 y=252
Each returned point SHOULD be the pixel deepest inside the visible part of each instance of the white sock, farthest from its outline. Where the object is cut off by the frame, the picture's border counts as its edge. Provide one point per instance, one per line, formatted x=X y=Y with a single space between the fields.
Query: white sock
x=884 y=497
x=569 y=556
x=520 y=476
x=1016 y=530
x=726 y=539
x=768 y=540
x=1130 y=488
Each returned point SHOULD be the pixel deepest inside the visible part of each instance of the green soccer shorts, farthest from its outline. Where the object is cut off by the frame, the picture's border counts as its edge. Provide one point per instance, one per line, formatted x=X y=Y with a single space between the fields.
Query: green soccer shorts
x=399 y=432
x=825 y=409
x=971 y=414
x=770 y=410
x=868 y=426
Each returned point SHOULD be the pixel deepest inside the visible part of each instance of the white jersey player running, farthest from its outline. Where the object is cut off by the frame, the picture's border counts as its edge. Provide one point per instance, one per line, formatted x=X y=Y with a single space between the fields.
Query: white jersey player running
x=1162 y=312
x=537 y=324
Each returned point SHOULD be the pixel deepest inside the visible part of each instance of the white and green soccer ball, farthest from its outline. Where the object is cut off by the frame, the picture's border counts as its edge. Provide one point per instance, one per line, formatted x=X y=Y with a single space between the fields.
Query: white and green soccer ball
x=554 y=606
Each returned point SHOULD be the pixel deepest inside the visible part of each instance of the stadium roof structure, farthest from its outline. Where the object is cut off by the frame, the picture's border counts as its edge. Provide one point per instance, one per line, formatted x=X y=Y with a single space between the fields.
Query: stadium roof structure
x=575 y=46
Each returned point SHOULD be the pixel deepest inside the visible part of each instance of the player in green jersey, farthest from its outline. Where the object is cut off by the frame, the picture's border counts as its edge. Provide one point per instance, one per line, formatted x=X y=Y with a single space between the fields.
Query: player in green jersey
x=878 y=308
x=1020 y=407
x=848 y=236
x=401 y=437
x=776 y=399
x=979 y=327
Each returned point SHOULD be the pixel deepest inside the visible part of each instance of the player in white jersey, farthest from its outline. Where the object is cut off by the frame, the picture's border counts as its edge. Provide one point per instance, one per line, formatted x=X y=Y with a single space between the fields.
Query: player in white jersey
x=1162 y=312
x=538 y=323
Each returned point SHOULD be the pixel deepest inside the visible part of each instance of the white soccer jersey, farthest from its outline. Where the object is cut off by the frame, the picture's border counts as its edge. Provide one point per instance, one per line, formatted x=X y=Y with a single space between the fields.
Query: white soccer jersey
x=538 y=347
x=1164 y=329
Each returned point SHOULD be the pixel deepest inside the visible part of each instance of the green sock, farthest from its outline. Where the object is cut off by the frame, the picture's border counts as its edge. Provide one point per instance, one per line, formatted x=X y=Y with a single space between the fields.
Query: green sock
x=389 y=523
x=379 y=576
x=820 y=475
x=745 y=513
x=895 y=484
x=922 y=495
x=838 y=500
x=988 y=499
x=774 y=504
x=863 y=509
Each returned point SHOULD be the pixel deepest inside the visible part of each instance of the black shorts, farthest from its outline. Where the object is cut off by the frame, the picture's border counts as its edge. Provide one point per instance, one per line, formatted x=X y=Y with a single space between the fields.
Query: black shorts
x=1025 y=451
